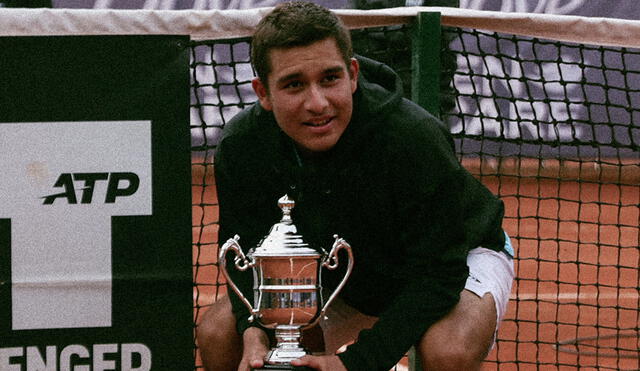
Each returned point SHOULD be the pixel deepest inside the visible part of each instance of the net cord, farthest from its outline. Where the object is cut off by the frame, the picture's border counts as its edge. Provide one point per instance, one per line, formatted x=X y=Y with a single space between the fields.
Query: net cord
x=226 y=24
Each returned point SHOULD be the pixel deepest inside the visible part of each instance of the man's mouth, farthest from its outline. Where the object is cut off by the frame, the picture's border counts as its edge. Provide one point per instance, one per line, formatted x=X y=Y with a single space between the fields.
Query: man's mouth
x=318 y=123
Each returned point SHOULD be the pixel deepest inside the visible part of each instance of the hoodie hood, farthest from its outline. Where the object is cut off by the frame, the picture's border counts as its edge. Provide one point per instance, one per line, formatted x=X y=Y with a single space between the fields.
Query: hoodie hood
x=382 y=85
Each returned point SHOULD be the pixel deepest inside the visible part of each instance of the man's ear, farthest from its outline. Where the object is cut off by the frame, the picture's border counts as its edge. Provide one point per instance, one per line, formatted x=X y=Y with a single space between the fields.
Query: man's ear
x=263 y=94
x=354 y=68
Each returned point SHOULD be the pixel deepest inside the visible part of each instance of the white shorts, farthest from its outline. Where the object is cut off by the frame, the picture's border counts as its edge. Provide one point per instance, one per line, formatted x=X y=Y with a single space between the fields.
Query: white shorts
x=489 y=271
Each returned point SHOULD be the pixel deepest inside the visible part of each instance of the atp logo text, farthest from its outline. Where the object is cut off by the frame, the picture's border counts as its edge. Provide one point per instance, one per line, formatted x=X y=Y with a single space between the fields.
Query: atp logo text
x=119 y=184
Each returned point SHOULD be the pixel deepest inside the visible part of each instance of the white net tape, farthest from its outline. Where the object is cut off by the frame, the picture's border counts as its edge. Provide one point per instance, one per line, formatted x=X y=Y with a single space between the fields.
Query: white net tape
x=224 y=24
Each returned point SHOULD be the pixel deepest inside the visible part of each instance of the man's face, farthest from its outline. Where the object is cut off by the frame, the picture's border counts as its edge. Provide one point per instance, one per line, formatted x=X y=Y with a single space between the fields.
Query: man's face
x=310 y=93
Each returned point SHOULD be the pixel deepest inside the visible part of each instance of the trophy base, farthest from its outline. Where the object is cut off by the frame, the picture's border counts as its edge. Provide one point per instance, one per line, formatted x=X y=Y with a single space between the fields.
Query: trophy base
x=282 y=368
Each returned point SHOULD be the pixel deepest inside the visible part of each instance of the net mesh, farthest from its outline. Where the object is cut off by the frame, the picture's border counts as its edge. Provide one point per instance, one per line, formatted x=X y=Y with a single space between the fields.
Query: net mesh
x=552 y=128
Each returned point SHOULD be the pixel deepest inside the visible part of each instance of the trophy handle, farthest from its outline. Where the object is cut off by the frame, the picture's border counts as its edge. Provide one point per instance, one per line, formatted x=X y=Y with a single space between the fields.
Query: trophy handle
x=331 y=262
x=241 y=263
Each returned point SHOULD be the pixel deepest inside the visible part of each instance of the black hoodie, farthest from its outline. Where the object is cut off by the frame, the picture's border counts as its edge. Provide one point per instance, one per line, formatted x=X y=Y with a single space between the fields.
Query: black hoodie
x=392 y=187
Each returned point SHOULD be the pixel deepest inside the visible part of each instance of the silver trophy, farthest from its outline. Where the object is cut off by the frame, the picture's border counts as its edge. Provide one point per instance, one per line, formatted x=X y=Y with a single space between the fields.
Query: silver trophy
x=287 y=289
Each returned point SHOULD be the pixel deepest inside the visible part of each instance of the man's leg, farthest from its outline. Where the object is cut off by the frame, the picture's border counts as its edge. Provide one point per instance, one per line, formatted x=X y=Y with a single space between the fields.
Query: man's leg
x=219 y=342
x=342 y=324
x=463 y=338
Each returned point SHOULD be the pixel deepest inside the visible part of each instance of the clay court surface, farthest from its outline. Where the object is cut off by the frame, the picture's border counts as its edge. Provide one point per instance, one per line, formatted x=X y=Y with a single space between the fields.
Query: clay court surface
x=577 y=271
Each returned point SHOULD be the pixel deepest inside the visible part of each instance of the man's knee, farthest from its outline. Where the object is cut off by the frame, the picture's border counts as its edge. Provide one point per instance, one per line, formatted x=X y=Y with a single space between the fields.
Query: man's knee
x=217 y=325
x=462 y=339
x=450 y=356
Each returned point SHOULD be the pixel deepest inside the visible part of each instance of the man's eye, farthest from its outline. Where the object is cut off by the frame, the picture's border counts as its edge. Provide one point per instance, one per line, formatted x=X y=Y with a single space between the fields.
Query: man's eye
x=331 y=78
x=293 y=85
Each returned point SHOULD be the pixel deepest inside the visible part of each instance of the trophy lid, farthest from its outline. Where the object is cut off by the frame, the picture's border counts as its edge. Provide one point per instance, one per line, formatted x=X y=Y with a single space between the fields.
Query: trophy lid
x=283 y=239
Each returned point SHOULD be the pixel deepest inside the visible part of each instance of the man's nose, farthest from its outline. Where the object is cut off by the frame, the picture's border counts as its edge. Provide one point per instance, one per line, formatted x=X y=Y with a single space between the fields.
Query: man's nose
x=316 y=100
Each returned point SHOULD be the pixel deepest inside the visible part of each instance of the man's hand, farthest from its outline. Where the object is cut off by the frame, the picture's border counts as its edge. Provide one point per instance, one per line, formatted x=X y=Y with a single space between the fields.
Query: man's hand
x=255 y=346
x=320 y=363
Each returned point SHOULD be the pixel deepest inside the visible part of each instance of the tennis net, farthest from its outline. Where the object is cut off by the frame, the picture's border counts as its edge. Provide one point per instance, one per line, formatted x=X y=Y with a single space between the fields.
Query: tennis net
x=552 y=128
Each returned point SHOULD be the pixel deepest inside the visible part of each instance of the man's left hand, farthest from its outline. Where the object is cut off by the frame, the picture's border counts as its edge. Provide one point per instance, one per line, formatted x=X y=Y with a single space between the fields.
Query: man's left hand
x=320 y=363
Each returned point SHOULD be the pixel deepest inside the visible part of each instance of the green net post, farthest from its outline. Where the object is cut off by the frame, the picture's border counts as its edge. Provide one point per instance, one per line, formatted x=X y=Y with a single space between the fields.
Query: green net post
x=425 y=84
x=425 y=81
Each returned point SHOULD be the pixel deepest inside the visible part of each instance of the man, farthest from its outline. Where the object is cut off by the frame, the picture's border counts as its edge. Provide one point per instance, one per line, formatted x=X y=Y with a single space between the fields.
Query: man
x=335 y=134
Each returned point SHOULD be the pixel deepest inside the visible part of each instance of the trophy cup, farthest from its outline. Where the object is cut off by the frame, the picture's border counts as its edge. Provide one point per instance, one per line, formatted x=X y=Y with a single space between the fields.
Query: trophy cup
x=287 y=285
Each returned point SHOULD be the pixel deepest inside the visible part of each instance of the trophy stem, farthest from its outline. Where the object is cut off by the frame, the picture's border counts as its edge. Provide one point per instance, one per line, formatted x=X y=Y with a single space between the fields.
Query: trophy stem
x=288 y=345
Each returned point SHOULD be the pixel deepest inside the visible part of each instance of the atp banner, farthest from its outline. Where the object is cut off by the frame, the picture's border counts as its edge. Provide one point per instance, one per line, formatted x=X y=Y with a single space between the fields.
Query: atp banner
x=95 y=204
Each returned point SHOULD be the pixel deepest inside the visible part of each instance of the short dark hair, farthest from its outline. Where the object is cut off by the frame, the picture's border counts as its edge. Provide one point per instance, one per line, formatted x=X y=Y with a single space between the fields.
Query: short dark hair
x=294 y=24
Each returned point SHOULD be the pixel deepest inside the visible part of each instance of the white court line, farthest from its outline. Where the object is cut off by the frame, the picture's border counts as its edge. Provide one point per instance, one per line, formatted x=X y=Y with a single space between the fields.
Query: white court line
x=553 y=297
x=575 y=297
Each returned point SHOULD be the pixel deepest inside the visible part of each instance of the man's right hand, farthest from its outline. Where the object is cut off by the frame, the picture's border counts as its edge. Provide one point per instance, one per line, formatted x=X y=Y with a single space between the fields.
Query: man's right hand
x=255 y=347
